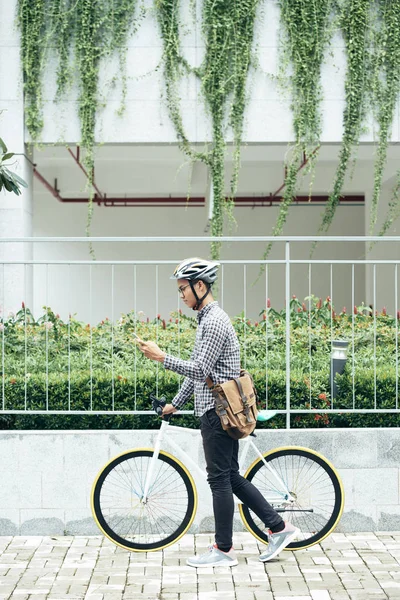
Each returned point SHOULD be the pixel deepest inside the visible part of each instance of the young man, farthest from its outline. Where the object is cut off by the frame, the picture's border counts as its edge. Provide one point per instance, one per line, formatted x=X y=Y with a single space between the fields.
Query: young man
x=216 y=354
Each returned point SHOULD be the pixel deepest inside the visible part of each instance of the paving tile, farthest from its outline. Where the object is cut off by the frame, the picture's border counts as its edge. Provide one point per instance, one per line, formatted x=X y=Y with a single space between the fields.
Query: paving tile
x=343 y=567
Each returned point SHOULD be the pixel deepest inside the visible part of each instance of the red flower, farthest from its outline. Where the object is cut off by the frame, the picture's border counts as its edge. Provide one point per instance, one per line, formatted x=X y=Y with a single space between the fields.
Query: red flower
x=171 y=320
x=177 y=321
x=256 y=324
x=294 y=297
x=299 y=310
x=333 y=314
x=119 y=377
x=163 y=323
x=384 y=310
x=158 y=316
x=249 y=322
x=328 y=298
x=13 y=380
x=180 y=311
x=304 y=307
x=319 y=303
x=317 y=417
x=268 y=303
x=322 y=396
x=344 y=310
x=23 y=305
x=265 y=316
x=355 y=310
x=297 y=419
x=398 y=314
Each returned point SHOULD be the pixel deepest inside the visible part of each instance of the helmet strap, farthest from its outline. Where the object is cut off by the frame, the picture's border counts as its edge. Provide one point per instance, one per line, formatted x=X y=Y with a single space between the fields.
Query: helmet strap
x=198 y=300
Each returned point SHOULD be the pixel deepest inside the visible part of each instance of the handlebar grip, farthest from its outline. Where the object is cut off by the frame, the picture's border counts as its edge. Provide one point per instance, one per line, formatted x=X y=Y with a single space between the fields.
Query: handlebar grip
x=158 y=405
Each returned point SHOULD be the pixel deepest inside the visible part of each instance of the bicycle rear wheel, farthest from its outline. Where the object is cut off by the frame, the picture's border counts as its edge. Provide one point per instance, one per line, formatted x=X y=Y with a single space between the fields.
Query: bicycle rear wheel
x=119 y=510
x=314 y=484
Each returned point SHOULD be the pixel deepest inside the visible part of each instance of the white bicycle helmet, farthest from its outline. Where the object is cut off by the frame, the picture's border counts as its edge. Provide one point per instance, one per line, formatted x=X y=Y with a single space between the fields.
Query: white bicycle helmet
x=195 y=269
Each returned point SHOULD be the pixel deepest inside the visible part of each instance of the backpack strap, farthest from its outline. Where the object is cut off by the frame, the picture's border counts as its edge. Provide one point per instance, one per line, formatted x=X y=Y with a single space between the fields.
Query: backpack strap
x=244 y=399
x=209 y=382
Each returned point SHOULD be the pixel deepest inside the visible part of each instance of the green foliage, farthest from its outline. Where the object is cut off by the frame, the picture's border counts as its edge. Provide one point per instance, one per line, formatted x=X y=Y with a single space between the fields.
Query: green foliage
x=83 y=32
x=32 y=23
x=95 y=29
x=228 y=30
x=386 y=86
x=50 y=364
x=307 y=32
x=355 y=23
x=8 y=180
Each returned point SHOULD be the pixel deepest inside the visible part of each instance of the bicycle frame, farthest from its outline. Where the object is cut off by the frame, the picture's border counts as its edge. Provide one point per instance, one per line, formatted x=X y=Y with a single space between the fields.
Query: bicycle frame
x=283 y=495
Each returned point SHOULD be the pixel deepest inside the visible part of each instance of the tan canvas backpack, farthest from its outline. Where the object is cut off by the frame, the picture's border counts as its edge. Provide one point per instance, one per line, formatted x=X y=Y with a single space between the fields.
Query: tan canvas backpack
x=236 y=404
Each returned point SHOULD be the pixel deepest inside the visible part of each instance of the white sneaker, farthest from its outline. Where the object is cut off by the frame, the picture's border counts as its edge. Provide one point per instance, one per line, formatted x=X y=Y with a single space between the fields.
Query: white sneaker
x=278 y=541
x=213 y=558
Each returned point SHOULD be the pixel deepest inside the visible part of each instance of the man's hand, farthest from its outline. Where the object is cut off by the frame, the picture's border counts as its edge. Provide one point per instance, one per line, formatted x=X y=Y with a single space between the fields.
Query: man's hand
x=169 y=409
x=152 y=351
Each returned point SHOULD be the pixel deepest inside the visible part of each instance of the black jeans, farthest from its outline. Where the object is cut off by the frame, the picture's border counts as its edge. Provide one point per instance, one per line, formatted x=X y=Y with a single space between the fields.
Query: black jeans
x=221 y=452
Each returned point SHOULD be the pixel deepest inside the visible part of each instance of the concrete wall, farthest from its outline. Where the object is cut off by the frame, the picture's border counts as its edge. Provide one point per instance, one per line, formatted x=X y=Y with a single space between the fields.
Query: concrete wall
x=46 y=477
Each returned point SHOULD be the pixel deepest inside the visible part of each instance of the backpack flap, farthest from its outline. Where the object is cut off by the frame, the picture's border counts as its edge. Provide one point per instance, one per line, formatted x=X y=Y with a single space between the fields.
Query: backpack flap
x=240 y=394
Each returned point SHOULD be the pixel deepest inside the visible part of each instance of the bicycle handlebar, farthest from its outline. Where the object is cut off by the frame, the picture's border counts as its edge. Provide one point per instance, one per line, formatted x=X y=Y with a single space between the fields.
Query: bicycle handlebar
x=158 y=405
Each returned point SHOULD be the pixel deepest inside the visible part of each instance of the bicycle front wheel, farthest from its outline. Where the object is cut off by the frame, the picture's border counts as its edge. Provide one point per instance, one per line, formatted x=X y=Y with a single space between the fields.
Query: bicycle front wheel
x=314 y=484
x=139 y=524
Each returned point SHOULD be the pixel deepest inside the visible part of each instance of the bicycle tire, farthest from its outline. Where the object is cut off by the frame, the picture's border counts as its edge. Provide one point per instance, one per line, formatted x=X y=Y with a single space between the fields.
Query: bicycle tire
x=122 y=479
x=311 y=533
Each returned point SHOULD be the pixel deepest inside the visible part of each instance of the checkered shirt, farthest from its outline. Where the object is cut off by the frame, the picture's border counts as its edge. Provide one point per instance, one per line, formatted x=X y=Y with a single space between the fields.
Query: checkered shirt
x=216 y=354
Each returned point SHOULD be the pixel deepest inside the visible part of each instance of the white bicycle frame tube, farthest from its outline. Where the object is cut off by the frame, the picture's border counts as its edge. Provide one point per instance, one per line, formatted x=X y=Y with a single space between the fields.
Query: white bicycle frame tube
x=246 y=444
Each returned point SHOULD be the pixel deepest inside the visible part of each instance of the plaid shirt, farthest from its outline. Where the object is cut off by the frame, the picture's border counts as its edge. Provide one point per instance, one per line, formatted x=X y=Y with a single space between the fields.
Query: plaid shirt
x=216 y=354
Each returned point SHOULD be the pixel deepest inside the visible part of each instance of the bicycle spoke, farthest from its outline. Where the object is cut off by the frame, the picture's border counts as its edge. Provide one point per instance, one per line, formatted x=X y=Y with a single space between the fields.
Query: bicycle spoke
x=150 y=522
x=315 y=504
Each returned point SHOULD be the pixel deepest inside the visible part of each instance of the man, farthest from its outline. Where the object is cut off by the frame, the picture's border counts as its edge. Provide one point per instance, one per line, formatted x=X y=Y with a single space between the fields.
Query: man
x=216 y=354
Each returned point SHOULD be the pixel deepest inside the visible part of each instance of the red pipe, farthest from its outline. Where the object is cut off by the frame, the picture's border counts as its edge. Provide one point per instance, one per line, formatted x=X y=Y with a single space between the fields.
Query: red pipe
x=200 y=201
x=47 y=185
x=303 y=164
x=78 y=162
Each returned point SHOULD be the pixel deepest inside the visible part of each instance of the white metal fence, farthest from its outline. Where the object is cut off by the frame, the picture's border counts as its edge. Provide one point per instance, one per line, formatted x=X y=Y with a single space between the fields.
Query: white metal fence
x=293 y=331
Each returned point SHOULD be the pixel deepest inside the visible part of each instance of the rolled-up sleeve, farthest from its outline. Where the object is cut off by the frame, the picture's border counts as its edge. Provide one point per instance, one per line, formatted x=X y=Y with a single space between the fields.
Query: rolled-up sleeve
x=211 y=345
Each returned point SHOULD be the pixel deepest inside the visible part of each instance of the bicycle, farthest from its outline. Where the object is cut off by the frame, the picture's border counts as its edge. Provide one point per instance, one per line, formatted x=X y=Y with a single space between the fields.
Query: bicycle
x=145 y=499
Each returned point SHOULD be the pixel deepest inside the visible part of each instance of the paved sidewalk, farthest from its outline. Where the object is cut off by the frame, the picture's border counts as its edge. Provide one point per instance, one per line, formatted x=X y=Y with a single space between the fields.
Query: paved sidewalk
x=358 y=566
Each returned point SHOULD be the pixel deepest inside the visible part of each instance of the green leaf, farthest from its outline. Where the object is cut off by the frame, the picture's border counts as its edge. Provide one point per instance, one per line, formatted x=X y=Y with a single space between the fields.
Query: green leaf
x=3 y=146
x=16 y=178
x=7 y=156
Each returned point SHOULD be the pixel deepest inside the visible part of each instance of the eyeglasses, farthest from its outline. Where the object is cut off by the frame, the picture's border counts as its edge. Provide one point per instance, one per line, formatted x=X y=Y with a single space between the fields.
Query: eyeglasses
x=181 y=290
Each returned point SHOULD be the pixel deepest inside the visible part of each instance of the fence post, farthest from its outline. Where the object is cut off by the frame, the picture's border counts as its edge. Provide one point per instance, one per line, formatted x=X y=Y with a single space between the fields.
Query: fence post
x=287 y=292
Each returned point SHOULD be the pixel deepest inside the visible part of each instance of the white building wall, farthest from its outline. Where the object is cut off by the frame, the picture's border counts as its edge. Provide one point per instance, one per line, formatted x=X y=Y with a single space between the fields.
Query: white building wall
x=268 y=117
x=268 y=121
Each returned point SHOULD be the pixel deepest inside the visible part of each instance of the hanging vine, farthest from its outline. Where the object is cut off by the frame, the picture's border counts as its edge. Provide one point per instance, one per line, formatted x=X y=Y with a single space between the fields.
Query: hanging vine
x=307 y=31
x=62 y=22
x=355 y=22
x=228 y=29
x=32 y=23
x=386 y=86
x=96 y=29
x=83 y=32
